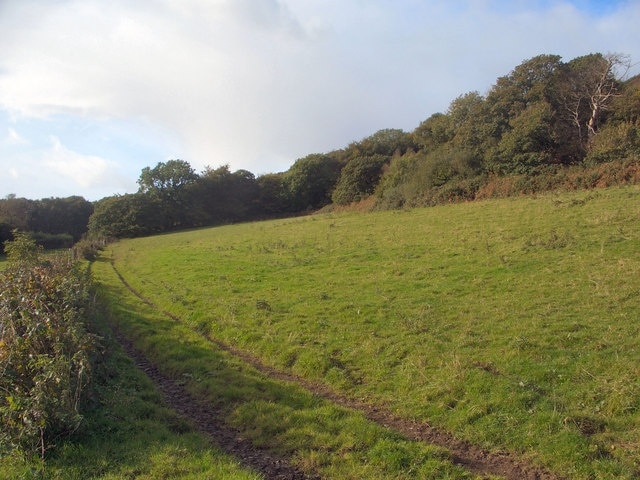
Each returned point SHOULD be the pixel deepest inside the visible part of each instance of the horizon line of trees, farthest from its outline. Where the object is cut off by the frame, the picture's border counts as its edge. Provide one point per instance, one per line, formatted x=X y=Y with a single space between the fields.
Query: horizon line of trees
x=52 y=222
x=542 y=117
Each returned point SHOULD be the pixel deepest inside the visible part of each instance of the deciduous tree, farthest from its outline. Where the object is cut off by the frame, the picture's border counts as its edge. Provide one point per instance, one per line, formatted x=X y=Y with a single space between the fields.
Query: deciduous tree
x=130 y=215
x=590 y=84
x=168 y=182
x=310 y=181
x=166 y=178
x=359 y=178
x=528 y=145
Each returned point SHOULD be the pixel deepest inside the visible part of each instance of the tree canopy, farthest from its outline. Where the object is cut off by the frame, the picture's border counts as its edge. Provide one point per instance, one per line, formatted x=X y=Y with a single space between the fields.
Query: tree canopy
x=53 y=222
x=543 y=116
x=166 y=178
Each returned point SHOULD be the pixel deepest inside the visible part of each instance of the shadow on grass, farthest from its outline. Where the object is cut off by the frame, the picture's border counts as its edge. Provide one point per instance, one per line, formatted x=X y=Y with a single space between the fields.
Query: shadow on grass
x=316 y=435
x=127 y=433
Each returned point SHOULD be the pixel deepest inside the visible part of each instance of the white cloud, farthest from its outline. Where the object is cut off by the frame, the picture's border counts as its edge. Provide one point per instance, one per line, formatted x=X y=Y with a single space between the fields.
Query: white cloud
x=14 y=138
x=85 y=170
x=62 y=172
x=259 y=83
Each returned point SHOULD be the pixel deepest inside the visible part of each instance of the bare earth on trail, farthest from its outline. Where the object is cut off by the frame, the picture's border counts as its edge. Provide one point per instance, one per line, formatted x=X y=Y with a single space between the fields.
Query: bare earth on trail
x=211 y=422
x=463 y=453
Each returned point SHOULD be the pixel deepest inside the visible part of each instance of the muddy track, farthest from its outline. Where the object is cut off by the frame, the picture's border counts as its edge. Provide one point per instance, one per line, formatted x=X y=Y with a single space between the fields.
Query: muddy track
x=471 y=457
x=210 y=421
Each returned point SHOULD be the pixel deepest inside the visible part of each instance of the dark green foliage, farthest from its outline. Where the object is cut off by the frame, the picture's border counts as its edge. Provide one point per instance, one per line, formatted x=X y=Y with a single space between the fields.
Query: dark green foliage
x=59 y=222
x=215 y=197
x=626 y=106
x=524 y=112
x=388 y=141
x=471 y=123
x=53 y=241
x=271 y=199
x=411 y=179
x=222 y=196
x=166 y=179
x=5 y=235
x=433 y=132
x=59 y=216
x=127 y=216
x=529 y=83
x=396 y=186
x=528 y=145
x=17 y=212
x=358 y=179
x=615 y=142
x=363 y=162
x=310 y=181
x=168 y=186
x=45 y=349
x=543 y=115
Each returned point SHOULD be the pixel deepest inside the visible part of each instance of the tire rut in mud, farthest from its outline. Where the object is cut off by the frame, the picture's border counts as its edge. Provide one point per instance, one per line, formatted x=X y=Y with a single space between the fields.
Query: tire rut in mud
x=471 y=457
x=207 y=420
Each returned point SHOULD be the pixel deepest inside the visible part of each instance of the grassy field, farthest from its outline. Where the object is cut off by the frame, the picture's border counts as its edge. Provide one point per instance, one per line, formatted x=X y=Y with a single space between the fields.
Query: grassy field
x=321 y=436
x=511 y=323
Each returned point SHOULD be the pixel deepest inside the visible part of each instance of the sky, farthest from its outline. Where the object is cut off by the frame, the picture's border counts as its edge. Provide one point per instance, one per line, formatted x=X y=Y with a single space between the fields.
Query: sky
x=93 y=91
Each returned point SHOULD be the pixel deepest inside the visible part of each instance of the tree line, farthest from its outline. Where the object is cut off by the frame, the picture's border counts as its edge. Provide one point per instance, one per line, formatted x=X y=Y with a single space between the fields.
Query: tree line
x=534 y=124
x=52 y=222
x=173 y=196
x=544 y=116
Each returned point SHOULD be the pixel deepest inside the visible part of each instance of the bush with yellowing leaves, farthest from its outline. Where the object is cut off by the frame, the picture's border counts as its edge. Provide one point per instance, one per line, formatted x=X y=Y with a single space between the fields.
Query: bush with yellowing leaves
x=45 y=348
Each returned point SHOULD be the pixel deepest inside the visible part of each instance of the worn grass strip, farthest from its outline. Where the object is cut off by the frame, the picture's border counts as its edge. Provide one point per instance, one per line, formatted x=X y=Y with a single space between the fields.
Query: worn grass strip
x=208 y=421
x=319 y=436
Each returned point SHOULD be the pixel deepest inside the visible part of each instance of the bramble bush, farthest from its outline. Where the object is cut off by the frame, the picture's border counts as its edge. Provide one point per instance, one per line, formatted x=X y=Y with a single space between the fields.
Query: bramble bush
x=45 y=348
x=89 y=247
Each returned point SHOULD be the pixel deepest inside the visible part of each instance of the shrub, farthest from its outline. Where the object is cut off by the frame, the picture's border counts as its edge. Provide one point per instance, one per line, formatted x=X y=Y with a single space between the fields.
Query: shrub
x=22 y=249
x=441 y=176
x=358 y=179
x=45 y=349
x=613 y=143
x=89 y=247
x=53 y=241
x=5 y=235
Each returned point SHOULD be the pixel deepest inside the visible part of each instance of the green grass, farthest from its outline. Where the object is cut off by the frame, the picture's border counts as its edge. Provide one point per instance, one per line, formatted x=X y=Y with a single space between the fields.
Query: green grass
x=511 y=323
x=127 y=434
x=321 y=437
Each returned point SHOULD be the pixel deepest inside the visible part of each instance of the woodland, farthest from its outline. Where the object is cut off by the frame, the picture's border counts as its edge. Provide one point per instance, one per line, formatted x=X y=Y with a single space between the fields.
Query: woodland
x=548 y=124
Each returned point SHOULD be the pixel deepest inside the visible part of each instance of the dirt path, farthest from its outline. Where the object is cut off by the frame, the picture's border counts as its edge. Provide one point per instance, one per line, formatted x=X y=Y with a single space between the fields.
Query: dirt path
x=208 y=420
x=471 y=457
x=465 y=454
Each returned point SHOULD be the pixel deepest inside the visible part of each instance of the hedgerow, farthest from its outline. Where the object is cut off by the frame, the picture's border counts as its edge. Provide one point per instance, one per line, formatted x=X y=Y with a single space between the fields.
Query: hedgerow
x=45 y=348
